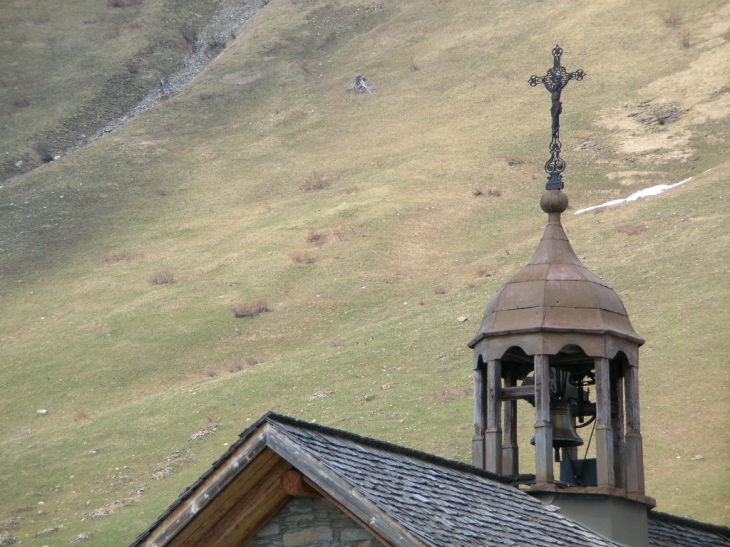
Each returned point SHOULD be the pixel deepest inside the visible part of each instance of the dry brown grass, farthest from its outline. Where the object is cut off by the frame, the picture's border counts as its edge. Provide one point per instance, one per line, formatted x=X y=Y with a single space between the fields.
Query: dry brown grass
x=342 y=232
x=121 y=256
x=632 y=230
x=485 y=271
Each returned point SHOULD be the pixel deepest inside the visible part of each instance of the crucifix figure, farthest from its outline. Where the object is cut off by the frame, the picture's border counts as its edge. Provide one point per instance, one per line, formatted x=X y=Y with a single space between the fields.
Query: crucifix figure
x=555 y=81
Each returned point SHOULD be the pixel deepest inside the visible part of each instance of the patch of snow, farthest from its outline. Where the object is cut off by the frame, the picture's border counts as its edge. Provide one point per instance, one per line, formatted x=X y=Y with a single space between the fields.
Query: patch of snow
x=646 y=192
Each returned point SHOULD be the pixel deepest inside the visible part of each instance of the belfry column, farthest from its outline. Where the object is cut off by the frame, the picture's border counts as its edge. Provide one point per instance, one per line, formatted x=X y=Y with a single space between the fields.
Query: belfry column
x=493 y=433
x=480 y=421
x=510 y=449
x=604 y=431
x=634 y=448
x=543 y=429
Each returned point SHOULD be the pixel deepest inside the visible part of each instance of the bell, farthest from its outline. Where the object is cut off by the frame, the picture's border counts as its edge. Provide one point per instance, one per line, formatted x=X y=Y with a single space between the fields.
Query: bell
x=564 y=435
x=561 y=419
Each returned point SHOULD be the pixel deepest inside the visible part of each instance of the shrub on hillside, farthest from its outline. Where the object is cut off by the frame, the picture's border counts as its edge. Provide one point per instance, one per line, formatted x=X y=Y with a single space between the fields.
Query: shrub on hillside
x=485 y=271
x=317 y=237
x=303 y=258
x=44 y=153
x=250 y=309
x=315 y=181
x=189 y=33
x=122 y=256
x=162 y=277
x=123 y=3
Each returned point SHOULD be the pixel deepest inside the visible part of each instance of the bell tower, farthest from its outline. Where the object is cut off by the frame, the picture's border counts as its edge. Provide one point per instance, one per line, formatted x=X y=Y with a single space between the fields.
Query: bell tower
x=557 y=337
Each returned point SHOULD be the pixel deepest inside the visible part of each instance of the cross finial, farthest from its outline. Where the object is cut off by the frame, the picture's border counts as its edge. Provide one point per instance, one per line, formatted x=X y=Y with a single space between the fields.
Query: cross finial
x=555 y=81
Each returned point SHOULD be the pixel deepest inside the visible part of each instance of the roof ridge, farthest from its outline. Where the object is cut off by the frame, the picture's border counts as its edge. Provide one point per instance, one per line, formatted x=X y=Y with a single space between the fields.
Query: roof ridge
x=390 y=447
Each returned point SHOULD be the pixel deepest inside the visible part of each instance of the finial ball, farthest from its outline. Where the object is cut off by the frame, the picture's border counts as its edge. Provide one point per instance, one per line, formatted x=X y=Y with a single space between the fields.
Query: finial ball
x=554 y=201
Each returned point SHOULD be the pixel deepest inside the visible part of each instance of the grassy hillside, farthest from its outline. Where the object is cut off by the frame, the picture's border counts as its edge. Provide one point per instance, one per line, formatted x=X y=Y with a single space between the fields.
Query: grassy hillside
x=367 y=224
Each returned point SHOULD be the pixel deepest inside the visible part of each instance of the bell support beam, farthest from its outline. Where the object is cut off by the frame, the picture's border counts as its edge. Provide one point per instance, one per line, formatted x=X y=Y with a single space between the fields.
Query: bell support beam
x=604 y=431
x=634 y=448
x=480 y=418
x=493 y=433
x=543 y=429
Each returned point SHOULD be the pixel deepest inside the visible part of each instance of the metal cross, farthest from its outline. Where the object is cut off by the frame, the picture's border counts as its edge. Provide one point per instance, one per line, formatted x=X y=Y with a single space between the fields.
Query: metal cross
x=555 y=81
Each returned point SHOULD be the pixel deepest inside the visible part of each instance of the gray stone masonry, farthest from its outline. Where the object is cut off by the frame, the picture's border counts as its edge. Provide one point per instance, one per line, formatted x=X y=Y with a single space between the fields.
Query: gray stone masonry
x=306 y=522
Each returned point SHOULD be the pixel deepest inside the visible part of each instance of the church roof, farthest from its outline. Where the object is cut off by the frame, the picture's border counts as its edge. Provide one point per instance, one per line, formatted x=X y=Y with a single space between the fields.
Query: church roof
x=672 y=531
x=555 y=292
x=402 y=496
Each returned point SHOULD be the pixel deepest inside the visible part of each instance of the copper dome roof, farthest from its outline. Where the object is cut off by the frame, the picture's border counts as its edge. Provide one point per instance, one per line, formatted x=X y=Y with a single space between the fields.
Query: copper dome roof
x=554 y=292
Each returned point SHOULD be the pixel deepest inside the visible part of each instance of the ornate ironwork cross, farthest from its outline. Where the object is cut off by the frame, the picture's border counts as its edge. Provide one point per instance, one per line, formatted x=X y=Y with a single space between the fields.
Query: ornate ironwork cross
x=555 y=81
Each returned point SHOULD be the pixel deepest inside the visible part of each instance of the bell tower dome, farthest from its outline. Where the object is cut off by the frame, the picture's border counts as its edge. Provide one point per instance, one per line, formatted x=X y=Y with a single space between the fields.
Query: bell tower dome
x=558 y=337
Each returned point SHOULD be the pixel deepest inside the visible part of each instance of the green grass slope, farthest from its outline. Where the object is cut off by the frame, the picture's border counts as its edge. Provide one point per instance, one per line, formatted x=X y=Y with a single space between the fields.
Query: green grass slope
x=367 y=224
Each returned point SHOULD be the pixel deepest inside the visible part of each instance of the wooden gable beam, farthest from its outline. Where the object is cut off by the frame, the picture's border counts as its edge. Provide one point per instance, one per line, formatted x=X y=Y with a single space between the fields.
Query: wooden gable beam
x=185 y=513
x=267 y=468
x=343 y=494
x=246 y=517
x=296 y=485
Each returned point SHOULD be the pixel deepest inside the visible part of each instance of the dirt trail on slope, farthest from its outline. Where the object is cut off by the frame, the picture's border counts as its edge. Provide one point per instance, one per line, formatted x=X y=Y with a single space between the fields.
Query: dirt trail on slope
x=123 y=95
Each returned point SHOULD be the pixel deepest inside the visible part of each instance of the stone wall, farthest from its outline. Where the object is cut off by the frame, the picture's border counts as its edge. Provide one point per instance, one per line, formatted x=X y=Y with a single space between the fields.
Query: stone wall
x=306 y=522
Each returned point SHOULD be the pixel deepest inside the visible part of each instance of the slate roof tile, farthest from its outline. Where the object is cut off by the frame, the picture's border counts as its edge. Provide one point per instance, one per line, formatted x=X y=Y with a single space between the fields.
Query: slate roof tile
x=442 y=505
x=671 y=531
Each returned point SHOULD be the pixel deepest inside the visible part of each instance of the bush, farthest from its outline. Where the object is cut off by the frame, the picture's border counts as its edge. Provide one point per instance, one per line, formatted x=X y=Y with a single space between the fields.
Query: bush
x=632 y=230
x=248 y=362
x=45 y=153
x=303 y=258
x=122 y=256
x=162 y=277
x=216 y=44
x=189 y=33
x=250 y=309
x=123 y=3
x=316 y=181
x=484 y=271
x=317 y=237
